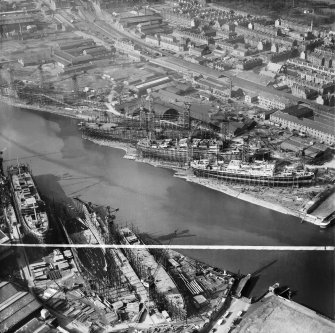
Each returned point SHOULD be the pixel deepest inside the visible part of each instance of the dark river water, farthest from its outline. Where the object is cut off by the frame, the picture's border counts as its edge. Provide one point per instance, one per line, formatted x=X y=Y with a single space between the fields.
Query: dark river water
x=158 y=203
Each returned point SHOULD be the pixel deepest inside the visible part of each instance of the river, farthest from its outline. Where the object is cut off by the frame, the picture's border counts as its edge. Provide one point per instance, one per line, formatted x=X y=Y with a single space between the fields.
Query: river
x=158 y=203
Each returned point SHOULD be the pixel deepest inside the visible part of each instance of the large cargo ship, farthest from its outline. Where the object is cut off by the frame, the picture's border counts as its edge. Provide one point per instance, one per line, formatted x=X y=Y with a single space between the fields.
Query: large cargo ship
x=178 y=151
x=262 y=173
x=28 y=204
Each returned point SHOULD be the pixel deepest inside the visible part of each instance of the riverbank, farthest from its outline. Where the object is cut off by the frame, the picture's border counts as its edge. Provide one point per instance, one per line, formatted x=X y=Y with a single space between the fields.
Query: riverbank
x=285 y=201
x=254 y=195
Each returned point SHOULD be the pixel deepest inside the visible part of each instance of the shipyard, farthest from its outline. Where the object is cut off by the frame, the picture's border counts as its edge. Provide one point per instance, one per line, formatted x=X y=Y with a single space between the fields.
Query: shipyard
x=134 y=133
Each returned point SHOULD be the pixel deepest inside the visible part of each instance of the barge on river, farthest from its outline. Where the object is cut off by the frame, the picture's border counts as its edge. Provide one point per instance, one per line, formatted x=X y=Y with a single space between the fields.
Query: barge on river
x=261 y=173
x=29 y=206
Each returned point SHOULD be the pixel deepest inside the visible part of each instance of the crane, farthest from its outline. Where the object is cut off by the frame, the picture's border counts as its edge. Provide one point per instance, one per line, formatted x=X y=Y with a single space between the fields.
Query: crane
x=69 y=294
x=154 y=275
x=152 y=278
x=41 y=73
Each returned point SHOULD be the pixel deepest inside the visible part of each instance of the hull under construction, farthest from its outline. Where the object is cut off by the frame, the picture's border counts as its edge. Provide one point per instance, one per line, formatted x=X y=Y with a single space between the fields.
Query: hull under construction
x=260 y=173
x=165 y=150
x=112 y=133
x=28 y=204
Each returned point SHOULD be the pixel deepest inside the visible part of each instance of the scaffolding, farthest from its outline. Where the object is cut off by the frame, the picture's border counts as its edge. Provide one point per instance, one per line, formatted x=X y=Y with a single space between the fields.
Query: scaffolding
x=108 y=283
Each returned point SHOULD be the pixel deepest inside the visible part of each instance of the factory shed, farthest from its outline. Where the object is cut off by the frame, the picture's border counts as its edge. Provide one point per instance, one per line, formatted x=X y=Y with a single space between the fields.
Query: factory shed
x=200 y=112
x=165 y=111
x=200 y=301
x=141 y=19
x=179 y=89
x=37 y=326
x=33 y=60
x=99 y=50
x=299 y=111
x=238 y=128
x=290 y=145
x=74 y=44
x=16 y=305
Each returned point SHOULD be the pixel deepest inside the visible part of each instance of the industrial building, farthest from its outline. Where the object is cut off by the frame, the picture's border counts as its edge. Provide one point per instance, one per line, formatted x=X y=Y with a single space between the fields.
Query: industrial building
x=17 y=306
x=143 y=20
x=272 y=101
x=324 y=133
x=142 y=87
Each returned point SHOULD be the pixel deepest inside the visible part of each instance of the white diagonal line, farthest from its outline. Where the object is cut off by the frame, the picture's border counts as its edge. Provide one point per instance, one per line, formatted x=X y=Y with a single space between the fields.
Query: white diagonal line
x=179 y=247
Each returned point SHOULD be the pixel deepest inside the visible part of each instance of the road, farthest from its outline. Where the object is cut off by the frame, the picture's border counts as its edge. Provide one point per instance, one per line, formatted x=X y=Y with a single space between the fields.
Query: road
x=100 y=27
x=235 y=308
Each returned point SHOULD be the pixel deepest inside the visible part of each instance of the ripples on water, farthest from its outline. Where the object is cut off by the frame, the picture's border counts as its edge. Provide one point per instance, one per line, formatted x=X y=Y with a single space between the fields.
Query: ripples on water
x=158 y=203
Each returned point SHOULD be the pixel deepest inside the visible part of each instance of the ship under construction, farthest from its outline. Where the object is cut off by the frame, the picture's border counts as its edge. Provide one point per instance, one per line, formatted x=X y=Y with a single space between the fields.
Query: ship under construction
x=107 y=272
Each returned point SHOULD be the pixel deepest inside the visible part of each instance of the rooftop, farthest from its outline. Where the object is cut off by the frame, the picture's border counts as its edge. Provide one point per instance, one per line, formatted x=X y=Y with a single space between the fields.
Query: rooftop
x=15 y=305
x=306 y=122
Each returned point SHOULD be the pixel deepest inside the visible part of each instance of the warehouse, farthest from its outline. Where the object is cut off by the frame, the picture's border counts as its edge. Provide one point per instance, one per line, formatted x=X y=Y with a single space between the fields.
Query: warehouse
x=142 y=19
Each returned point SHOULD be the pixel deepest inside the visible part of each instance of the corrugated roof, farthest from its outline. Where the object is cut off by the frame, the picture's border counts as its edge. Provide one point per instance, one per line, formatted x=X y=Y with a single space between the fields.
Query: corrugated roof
x=17 y=310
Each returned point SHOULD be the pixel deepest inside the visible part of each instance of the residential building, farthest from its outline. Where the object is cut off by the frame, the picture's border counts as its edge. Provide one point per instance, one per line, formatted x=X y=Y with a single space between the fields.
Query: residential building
x=310 y=66
x=249 y=63
x=271 y=101
x=310 y=127
x=322 y=88
x=251 y=98
x=194 y=37
x=322 y=58
x=172 y=46
x=303 y=92
x=177 y=19
x=327 y=99
x=282 y=56
x=240 y=52
x=124 y=45
x=152 y=40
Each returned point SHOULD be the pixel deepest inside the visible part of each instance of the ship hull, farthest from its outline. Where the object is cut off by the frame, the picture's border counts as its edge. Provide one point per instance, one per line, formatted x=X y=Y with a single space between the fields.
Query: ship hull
x=121 y=135
x=40 y=237
x=174 y=155
x=255 y=180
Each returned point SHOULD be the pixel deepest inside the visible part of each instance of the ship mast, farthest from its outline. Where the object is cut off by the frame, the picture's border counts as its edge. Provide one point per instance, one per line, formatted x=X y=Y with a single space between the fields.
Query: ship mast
x=245 y=149
x=187 y=114
x=151 y=117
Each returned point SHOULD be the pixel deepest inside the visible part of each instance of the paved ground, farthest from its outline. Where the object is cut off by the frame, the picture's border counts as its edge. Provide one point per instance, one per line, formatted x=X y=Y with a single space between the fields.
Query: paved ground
x=278 y=315
x=236 y=306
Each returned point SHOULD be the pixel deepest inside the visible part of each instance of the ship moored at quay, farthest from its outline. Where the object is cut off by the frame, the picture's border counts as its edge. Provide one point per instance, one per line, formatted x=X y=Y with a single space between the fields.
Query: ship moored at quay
x=264 y=173
x=28 y=205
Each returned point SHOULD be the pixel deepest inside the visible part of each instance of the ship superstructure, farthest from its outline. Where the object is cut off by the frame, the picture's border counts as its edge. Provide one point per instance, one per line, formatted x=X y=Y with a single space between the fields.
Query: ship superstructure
x=28 y=204
x=263 y=173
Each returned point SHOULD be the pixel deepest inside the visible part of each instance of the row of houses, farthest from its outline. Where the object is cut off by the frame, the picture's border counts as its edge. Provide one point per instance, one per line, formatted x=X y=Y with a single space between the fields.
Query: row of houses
x=129 y=48
x=244 y=31
x=177 y=19
x=165 y=42
x=321 y=87
x=323 y=59
x=305 y=65
x=194 y=37
x=308 y=126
